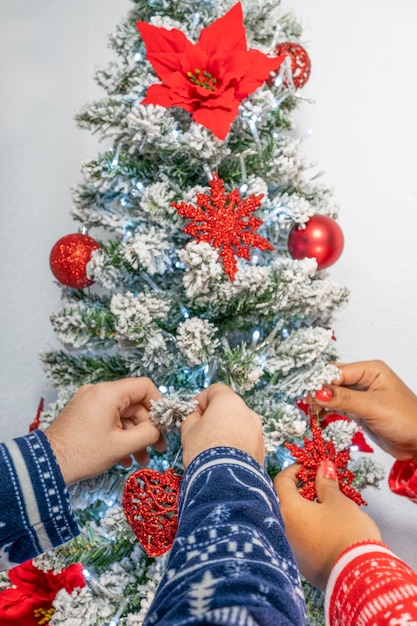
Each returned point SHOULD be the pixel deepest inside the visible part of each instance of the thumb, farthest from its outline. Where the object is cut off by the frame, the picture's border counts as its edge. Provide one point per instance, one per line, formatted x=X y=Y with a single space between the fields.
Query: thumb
x=327 y=483
x=136 y=437
x=343 y=399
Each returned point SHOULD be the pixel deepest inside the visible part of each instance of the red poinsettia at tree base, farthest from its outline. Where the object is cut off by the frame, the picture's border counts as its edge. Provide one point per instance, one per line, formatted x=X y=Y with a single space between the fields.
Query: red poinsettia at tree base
x=208 y=79
x=223 y=220
x=29 y=601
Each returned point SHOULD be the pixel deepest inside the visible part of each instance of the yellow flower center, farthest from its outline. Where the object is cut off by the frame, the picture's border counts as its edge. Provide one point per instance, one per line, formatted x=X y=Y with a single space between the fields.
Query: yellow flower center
x=202 y=79
x=45 y=615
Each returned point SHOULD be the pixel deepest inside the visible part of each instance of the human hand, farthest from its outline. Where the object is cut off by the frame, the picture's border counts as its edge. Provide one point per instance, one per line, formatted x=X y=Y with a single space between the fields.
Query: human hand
x=371 y=393
x=103 y=424
x=225 y=420
x=319 y=532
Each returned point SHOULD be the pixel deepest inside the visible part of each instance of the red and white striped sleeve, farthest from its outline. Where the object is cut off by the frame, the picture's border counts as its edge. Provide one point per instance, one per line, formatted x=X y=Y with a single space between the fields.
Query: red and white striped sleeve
x=369 y=585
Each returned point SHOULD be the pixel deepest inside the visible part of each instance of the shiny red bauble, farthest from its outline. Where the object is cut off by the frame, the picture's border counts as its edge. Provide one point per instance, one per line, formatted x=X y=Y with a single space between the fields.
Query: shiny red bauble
x=322 y=238
x=69 y=258
x=299 y=62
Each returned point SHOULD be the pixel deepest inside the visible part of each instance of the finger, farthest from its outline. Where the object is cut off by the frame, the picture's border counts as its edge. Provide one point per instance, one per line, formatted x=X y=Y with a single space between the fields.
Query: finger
x=136 y=413
x=135 y=438
x=346 y=400
x=361 y=374
x=142 y=457
x=191 y=420
x=327 y=483
x=285 y=484
x=125 y=461
x=160 y=445
x=127 y=392
x=213 y=392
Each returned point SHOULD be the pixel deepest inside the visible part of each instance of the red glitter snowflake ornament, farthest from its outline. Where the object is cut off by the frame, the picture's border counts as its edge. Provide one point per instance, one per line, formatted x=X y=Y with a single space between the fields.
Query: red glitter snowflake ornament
x=310 y=457
x=224 y=221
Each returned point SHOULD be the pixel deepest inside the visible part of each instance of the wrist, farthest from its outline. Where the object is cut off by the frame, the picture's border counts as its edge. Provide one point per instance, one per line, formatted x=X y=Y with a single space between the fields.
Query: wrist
x=62 y=458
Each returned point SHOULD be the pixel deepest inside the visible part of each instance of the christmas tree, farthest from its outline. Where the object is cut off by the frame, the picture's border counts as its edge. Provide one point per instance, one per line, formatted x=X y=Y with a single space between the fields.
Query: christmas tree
x=200 y=263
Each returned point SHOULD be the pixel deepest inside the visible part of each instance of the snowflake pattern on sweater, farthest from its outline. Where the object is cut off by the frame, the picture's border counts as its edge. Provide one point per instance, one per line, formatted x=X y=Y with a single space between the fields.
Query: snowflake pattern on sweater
x=230 y=562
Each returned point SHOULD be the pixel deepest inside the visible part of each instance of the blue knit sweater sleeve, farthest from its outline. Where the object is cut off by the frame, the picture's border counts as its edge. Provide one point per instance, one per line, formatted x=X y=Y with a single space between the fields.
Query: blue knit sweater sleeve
x=35 y=513
x=230 y=563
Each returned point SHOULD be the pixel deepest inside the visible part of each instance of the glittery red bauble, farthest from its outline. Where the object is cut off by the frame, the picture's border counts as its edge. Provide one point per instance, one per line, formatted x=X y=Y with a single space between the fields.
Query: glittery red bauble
x=69 y=258
x=322 y=238
x=299 y=61
x=150 y=503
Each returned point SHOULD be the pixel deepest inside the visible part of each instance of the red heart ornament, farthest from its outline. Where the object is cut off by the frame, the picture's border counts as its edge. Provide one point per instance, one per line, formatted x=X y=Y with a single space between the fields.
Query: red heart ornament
x=150 y=503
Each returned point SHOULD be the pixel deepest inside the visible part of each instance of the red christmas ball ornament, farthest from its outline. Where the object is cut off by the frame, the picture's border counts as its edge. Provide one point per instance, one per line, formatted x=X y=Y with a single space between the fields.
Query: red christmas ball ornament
x=69 y=258
x=322 y=238
x=299 y=61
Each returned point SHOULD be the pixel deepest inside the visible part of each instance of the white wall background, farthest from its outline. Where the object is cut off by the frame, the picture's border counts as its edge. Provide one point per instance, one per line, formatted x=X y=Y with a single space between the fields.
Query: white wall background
x=364 y=127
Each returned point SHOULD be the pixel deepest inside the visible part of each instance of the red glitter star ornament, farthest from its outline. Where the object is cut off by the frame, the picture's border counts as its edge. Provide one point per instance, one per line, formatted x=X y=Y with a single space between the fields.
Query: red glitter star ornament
x=310 y=457
x=224 y=221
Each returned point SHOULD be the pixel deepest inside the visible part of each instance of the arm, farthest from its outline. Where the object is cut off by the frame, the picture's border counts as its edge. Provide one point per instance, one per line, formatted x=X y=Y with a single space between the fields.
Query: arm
x=370 y=585
x=35 y=511
x=338 y=548
x=230 y=562
x=101 y=425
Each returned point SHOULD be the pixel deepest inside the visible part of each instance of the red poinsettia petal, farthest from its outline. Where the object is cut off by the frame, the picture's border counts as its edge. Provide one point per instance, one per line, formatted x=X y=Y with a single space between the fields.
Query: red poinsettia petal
x=10 y=597
x=216 y=120
x=30 y=580
x=226 y=102
x=18 y=607
x=45 y=585
x=227 y=33
x=166 y=97
x=164 y=48
x=71 y=578
x=259 y=68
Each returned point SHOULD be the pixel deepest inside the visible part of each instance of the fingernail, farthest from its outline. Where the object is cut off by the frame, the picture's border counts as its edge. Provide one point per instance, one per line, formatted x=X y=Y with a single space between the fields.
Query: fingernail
x=329 y=469
x=324 y=395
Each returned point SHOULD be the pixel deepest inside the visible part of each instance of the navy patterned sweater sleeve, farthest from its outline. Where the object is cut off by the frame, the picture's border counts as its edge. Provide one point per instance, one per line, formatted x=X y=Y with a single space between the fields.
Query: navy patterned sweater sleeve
x=35 y=513
x=230 y=563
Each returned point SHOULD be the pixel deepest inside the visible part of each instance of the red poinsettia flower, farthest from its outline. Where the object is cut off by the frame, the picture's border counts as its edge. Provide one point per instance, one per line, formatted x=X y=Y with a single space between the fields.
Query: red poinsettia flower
x=29 y=601
x=208 y=79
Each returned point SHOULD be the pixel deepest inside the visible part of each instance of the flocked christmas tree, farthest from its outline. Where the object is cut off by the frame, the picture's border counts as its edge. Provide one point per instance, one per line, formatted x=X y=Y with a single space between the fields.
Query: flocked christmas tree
x=201 y=262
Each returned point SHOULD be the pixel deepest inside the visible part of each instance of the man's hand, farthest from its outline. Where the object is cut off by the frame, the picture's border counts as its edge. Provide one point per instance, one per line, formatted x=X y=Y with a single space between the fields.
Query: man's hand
x=225 y=420
x=104 y=424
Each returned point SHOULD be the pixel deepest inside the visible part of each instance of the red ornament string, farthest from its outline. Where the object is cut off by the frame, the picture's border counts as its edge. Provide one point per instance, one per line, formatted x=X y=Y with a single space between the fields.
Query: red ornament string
x=224 y=221
x=150 y=503
x=310 y=457
x=36 y=422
